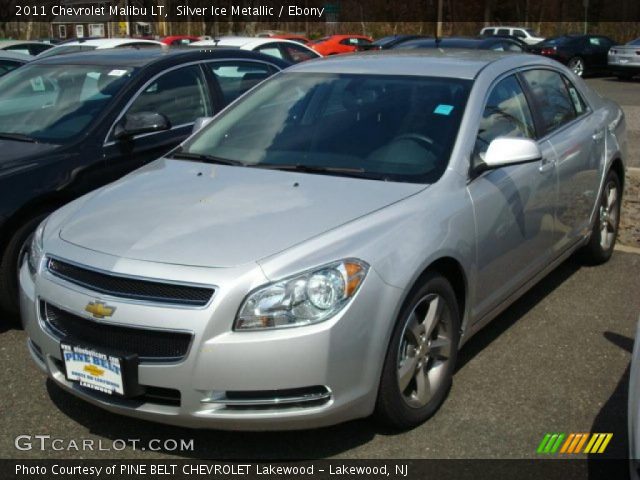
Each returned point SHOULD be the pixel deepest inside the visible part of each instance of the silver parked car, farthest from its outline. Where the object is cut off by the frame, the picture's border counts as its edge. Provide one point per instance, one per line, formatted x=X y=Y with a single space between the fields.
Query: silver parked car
x=624 y=60
x=323 y=247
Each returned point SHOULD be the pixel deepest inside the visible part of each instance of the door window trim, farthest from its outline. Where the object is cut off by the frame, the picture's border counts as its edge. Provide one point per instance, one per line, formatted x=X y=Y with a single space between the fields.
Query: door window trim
x=569 y=124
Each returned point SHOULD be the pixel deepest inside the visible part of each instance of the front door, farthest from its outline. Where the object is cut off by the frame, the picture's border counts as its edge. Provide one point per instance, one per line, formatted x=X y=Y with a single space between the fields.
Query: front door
x=514 y=205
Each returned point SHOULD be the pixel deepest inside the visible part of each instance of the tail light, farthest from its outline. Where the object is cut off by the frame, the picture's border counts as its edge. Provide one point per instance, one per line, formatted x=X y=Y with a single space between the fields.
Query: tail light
x=548 y=51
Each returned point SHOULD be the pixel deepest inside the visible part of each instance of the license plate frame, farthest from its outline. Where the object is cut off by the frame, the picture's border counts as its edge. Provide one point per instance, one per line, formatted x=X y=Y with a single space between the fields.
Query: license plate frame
x=101 y=370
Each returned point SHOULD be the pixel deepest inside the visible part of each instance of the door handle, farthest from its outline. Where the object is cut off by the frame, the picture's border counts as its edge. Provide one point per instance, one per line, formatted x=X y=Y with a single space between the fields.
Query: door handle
x=546 y=165
x=597 y=136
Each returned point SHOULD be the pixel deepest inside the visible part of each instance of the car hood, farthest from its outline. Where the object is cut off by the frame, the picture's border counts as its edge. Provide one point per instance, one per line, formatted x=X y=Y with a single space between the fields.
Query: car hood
x=189 y=213
x=16 y=155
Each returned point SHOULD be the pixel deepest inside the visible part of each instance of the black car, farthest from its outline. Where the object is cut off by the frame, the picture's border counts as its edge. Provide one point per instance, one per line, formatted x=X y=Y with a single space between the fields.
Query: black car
x=72 y=123
x=387 y=42
x=500 y=44
x=583 y=54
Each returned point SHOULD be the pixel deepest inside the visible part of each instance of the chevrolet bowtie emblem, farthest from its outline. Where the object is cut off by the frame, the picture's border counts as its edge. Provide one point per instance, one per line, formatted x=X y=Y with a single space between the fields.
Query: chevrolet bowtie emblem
x=93 y=370
x=99 y=309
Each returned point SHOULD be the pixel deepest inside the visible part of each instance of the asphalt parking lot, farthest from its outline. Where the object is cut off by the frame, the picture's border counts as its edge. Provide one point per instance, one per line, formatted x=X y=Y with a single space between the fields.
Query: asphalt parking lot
x=556 y=361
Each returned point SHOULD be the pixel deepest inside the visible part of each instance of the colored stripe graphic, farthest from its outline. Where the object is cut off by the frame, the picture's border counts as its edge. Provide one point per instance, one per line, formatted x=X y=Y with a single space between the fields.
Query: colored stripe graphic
x=574 y=443
x=550 y=443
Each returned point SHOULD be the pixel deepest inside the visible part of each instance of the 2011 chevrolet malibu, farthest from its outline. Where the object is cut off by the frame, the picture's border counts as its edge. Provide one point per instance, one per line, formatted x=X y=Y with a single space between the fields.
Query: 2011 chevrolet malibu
x=322 y=249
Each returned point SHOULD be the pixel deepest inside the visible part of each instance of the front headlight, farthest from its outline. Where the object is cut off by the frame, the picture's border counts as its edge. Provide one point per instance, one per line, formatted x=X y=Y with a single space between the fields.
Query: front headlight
x=307 y=298
x=36 y=249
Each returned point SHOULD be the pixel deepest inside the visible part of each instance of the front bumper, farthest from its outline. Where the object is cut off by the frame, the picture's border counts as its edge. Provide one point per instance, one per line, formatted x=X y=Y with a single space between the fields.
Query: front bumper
x=343 y=356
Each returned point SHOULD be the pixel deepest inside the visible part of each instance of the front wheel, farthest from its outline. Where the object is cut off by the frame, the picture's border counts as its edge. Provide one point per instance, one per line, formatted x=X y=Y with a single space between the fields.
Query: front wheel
x=576 y=64
x=421 y=357
x=605 y=227
x=10 y=260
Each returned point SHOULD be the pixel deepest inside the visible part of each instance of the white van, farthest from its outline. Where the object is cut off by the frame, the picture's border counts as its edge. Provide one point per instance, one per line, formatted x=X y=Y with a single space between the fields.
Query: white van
x=527 y=35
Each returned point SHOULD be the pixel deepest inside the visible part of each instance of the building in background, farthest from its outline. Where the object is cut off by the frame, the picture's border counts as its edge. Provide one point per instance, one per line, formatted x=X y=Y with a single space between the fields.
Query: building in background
x=68 y=27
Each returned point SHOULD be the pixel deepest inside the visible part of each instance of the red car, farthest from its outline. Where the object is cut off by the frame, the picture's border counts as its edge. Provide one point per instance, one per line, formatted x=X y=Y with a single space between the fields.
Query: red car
x=179 y=40
x=339 y=44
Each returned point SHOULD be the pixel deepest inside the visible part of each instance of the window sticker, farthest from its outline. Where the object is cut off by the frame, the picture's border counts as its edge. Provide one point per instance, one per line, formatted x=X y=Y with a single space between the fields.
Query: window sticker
x=443 y=109
x=117 y=73
x=576 y=100
x=37 y=84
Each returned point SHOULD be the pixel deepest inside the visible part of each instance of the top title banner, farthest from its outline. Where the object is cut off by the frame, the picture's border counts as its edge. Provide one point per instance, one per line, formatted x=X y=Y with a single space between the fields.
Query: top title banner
x=501 y=11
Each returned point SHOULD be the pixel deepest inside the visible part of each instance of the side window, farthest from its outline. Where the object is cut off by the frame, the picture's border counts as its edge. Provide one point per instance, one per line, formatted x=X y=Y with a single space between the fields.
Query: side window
x=488 y=31
x=506 y=114
x=519 y=33
x=503 y=31
x=180 y=95
x=7 y=65
x=298 y=54
x=552 y=98
x=235 y=78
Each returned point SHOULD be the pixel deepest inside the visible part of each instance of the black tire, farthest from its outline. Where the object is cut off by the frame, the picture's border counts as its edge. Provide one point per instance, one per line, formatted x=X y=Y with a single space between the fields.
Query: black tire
x=598 y=251
x=9 y=301
x=392 y=407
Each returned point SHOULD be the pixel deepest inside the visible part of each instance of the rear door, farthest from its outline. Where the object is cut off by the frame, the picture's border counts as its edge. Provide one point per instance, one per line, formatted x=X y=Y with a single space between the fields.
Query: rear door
x=514 y=205
x=574 y=131
x=182 y=95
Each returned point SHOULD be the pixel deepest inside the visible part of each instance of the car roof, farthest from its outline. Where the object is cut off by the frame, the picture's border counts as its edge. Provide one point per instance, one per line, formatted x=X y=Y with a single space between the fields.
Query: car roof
x=144 y=57
x=246 y=43
x=109 y=42
x=454 y=63
x=9 y=55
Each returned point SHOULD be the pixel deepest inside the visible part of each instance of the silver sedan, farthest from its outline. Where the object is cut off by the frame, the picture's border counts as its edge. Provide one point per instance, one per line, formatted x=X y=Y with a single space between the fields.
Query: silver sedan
x=322 y=249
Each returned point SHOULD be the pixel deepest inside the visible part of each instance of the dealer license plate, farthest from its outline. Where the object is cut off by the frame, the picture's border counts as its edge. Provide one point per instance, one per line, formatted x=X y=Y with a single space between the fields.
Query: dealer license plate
x=95 y=370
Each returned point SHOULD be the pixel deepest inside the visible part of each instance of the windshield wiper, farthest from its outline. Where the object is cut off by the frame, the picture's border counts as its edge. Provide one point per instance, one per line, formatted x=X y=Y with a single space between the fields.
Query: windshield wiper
x=201 y=157
x=18 y=136
x=299 y=167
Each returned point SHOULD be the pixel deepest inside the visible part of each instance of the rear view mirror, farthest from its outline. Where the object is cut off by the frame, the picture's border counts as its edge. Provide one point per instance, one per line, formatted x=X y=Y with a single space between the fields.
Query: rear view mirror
x=510 y=151
x=142 y=122
x=200 y=123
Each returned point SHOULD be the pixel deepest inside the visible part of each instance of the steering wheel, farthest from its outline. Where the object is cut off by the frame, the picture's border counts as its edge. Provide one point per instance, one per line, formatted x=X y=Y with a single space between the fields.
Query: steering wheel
x=416 y=137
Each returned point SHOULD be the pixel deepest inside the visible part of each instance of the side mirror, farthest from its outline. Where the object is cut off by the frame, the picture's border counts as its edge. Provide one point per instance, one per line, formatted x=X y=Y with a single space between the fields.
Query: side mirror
x=200 y=123
x=142 y=122
x=511 y=151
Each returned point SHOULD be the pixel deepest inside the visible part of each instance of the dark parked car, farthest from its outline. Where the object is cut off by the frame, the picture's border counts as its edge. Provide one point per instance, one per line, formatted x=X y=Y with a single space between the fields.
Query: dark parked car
x=72 y=123
x=500 y=44
x=11 y=60
x=583 y=54
x=387 y=42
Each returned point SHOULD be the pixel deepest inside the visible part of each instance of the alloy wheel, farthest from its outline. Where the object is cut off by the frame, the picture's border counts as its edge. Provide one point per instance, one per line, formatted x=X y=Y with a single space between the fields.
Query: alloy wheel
x=425 y=350
x=577 y=66
x=609 y=212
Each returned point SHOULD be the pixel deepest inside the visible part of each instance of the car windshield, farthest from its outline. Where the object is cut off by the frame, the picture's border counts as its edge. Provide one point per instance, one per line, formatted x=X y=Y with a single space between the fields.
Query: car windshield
x=531 y=32
x=54 y=103
x=635 y=42
x=384 y=127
